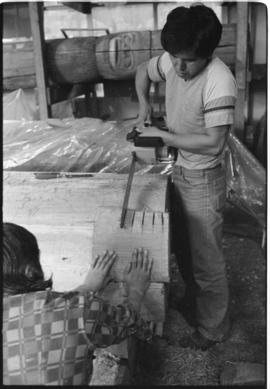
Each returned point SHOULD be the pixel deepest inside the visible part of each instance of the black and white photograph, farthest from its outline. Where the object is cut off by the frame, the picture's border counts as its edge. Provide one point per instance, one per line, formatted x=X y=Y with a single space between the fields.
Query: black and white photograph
x=134 y=193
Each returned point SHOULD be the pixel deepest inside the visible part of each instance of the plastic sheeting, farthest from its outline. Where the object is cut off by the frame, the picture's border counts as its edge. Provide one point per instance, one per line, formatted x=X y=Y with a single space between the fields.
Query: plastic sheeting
x=92 y=145
x=71 y=145
x=246 y=180
x=18 y=105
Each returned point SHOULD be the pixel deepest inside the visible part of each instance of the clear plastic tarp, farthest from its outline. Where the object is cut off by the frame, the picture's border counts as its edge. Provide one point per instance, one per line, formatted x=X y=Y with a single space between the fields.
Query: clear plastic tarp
x=93 y=145
x=19 y=105
x=70 y=145
x=246 y=180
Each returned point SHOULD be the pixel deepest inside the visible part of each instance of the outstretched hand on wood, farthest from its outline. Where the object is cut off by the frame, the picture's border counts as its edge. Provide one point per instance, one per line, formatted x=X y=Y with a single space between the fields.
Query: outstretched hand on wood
x=137 y=274
x=99 y=271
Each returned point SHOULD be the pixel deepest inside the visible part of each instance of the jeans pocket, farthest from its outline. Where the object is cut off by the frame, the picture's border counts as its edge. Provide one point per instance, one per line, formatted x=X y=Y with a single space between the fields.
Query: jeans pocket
x=195 y=181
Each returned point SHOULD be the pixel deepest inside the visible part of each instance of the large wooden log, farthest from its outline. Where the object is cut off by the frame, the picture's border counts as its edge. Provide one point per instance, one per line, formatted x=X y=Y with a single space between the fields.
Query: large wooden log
x=91 y=59
x=119 y=54
x=72 y=61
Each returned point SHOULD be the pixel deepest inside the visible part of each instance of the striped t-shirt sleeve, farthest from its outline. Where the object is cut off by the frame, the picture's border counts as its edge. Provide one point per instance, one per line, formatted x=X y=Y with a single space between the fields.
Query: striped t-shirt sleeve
x=219 y=99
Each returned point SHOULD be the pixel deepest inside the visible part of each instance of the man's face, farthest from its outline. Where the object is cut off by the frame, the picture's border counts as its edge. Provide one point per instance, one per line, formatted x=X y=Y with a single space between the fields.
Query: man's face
x=187 y=65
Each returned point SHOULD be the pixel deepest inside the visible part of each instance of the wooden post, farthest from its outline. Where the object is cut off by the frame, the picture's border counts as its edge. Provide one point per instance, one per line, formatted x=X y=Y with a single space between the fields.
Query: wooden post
x=36 y=20
x=155 y=15
x=156 y=85
x=253 y=20
x=241 y=66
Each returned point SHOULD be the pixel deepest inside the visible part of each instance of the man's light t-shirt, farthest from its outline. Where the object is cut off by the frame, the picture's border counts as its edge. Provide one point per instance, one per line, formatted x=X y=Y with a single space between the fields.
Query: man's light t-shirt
x=205 y=101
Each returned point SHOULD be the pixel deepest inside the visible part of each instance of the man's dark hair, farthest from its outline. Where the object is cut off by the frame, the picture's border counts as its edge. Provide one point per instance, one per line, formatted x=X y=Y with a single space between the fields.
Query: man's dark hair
x=196 y=28
x=21 y=252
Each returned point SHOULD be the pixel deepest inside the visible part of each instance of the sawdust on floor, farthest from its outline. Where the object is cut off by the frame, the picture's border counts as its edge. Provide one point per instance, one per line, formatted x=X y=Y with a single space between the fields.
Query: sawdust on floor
x=165 y=362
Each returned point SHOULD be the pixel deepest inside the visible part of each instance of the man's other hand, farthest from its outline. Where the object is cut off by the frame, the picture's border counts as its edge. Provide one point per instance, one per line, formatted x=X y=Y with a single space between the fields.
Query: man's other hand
x=137 y=274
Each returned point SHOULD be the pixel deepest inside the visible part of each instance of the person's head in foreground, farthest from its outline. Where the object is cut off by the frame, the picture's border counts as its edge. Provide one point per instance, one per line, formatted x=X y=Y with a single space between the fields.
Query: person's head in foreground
x=22 y=271
x=190 y=35
x=49 y=337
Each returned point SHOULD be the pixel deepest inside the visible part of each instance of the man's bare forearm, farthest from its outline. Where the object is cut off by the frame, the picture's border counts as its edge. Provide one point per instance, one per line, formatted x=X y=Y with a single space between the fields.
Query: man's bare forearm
x=199 y=144
x=142 y=82
x=210 y=142
x=142 y=85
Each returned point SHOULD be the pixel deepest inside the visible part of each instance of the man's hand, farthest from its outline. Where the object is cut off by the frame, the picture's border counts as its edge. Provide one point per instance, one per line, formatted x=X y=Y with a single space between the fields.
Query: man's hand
x=137 y=273
x=150 y=131
x=144 y=116
x=99 y=271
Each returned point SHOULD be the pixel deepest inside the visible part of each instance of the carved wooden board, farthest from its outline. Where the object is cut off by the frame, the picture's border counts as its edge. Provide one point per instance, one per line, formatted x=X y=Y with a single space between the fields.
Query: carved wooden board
x=144 y=229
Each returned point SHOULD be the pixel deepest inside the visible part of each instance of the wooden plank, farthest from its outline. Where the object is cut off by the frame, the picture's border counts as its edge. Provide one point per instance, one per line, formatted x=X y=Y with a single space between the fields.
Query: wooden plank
x=18 y=59
x=24 y=82
x=228 y=35
x=18 y=63
x=65 y=252
x=29 y=200
x=227 y=55
x=36 y=20
x=153 y=235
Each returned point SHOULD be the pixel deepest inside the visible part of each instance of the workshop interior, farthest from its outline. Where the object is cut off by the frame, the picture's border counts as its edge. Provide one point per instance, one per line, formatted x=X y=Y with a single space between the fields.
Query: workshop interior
x=78 y=175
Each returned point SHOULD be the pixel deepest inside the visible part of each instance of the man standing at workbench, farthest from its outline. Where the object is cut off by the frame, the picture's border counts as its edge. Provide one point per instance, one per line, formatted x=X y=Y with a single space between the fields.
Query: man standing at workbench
x=200 y=99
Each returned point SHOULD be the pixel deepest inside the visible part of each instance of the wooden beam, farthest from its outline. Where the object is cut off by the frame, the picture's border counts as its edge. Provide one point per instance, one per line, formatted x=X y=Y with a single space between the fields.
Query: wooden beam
x=83 y=7
x=155 y=15
x=149 y=192
x=24 y=82
x=36 y=20
x=241 y=66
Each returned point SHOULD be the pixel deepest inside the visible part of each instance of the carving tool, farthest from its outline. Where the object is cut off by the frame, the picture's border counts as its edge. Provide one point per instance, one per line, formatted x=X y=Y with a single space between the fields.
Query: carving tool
x=128 y=187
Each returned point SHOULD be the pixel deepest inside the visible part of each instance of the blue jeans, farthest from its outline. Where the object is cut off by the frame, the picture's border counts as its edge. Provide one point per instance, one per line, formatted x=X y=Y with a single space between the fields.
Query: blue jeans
x=202 y=194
